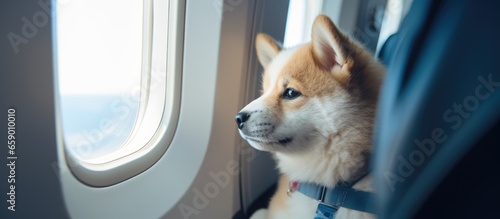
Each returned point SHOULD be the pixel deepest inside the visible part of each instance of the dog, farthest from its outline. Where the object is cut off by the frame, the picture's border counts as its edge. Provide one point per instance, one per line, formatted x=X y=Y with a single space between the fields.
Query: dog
x=315 y=115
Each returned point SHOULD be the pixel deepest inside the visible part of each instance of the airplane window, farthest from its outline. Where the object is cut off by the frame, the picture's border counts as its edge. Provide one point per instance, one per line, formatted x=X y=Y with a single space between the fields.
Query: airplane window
x=99 y=61
x=301 y=14
x=118 y=84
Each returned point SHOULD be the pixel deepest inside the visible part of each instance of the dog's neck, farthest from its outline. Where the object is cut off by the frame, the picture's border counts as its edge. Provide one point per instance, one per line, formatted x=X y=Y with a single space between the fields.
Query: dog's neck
x=343 y=157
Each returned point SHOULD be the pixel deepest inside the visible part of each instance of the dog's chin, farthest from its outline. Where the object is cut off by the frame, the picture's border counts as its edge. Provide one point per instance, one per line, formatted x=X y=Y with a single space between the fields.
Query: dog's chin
x=268 y=145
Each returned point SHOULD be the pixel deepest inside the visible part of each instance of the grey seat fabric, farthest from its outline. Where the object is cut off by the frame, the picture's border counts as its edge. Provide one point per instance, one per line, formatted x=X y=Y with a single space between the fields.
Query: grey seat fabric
x=437 y=122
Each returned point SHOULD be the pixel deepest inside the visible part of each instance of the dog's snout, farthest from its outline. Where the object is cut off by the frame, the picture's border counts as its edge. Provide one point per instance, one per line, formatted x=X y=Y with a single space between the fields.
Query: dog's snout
x=241 y=118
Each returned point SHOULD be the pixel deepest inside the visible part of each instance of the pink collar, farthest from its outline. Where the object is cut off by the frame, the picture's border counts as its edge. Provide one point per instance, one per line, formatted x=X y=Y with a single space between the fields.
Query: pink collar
x=292 y=187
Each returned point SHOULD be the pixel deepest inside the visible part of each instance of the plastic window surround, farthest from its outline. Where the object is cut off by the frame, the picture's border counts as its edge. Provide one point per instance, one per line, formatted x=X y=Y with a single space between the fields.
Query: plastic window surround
x=158 y=107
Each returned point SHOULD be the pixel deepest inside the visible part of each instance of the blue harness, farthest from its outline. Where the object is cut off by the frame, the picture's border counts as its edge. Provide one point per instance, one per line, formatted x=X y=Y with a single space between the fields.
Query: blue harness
x=342 y=195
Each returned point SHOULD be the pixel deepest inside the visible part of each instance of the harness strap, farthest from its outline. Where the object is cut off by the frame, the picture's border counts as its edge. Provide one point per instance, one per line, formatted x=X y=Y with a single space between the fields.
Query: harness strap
x=339 y=196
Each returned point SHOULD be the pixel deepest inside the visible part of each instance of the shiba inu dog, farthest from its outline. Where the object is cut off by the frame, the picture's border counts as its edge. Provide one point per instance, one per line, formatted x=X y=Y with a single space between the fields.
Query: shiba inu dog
x=316 y=115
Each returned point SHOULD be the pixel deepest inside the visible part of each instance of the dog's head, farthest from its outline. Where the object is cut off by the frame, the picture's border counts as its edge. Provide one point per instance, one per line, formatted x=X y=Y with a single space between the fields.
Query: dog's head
x=311 y=92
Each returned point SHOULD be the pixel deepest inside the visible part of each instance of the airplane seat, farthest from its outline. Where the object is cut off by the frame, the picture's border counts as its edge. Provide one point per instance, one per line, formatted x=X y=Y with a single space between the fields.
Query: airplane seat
x=436 y=140
x=384 y=55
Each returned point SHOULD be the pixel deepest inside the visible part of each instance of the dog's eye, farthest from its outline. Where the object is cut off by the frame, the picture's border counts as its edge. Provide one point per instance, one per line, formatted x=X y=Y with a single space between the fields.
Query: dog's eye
x=290 y=94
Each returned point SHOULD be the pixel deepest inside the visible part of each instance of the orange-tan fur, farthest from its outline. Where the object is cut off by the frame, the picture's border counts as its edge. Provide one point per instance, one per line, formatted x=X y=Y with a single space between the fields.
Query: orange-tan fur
x=324 y=135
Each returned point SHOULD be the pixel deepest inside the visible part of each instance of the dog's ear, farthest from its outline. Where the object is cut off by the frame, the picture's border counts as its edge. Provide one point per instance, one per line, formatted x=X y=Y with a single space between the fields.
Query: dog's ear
x=328 y=43
x=267 y=49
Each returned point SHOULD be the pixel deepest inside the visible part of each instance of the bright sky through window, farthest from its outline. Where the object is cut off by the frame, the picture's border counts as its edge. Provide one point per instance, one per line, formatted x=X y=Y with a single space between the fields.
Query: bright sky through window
x=99 y=44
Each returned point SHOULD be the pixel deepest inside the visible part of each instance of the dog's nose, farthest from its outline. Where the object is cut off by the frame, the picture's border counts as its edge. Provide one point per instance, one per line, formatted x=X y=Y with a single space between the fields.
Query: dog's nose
x=241 y=118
